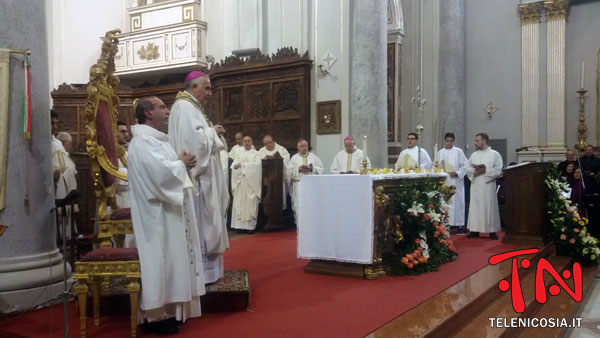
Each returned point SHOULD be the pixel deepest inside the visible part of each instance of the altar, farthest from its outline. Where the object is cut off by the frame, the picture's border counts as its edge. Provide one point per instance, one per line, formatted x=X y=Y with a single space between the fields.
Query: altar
x=354 y=225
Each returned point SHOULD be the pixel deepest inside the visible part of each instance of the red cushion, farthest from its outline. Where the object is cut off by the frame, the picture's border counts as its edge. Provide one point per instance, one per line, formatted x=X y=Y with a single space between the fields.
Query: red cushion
x=121 y=214
x=106 y=138
x=111 y=254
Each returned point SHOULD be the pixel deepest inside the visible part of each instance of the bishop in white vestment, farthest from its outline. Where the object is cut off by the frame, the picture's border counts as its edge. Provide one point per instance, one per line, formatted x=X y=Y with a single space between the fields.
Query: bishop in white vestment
x=302 y=163
x=269 y=150
x=163 y=220
x=413 y=156
x=349 y=159
x=452 y=160
x=191 y=130
x=482 y=168
x=246 y=184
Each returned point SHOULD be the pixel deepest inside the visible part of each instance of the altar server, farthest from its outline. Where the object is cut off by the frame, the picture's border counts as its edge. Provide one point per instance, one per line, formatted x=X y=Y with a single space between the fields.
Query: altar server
x=452 y=160
x=413 y=156
x=482 y=168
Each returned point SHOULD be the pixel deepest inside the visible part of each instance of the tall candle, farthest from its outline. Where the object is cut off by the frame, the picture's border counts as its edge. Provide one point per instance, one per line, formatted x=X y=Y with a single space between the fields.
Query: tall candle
x=582 y=74
x=435 y=151
x=365 y=148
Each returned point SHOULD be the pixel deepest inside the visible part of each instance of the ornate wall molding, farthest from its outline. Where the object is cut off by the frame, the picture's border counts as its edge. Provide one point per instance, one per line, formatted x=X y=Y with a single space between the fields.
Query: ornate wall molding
x=530 y=12
x=556 y=9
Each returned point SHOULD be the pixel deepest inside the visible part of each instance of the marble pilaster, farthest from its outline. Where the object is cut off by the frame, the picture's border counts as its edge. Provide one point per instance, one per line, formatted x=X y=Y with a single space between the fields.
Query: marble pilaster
x=452 y=72
x=31 y=269
x=557 y=12
x=368 y=93
x=530 y=73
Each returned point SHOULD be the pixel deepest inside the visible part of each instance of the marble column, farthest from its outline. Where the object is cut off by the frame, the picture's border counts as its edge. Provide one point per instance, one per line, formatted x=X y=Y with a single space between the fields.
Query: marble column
x=31 y=270
x=530 y=72
x=557 y=12
x=452 y=73
x=368 y=84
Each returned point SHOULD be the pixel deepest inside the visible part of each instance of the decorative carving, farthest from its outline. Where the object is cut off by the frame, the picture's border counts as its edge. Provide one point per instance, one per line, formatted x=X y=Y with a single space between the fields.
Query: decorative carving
x=258 y=130
x=233 y=103
x=287 y=53
x=136 y=22
x=283 y=54
x=149 y=52
x=490 y=109
x=556 y=9
x=329 y=117
x=286 y=98
x=287 y=133
x=530 y=12
x=391 y=88
x=257 y=98
x=187 y=13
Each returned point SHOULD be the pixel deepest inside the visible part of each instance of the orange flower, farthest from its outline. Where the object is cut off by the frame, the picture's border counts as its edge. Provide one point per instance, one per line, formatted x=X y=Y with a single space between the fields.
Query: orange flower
x=436 y=224
x=436 y=233
x=563 y=237
x=430 y=206
x=575 y=230
x=420 y=249
x=572 y=240
x=418 y=241
x=404 y=260
x=409 y=265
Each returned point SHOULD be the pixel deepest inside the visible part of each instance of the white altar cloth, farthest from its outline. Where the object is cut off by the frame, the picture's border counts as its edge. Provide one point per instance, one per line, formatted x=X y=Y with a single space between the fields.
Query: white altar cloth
x=335 y=218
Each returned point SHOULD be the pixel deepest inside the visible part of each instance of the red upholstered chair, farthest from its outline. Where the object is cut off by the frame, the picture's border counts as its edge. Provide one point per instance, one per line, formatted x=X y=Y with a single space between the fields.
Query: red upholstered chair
x=99 y=266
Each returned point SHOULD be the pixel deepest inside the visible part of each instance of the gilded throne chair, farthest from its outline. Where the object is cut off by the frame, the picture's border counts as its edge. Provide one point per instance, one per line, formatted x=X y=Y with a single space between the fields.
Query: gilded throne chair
x=97 y=268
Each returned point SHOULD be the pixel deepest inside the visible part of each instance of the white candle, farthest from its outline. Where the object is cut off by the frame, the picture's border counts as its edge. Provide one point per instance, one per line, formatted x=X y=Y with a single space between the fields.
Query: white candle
x=435 y=151
x=582 y=74
x=365 y=148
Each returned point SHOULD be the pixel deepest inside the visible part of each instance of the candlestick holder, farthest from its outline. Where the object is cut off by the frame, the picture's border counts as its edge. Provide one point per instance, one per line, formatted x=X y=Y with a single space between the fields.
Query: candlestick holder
x=364 y=168
x=581 y=128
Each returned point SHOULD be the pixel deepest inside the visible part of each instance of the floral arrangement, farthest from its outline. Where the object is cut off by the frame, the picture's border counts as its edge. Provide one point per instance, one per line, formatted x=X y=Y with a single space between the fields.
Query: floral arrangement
x=569 y=228
x=426 y=240
x=385 y=171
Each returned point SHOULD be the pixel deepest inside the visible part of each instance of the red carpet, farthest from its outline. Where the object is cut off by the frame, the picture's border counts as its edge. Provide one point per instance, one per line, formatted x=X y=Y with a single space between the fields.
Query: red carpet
x=286 y=302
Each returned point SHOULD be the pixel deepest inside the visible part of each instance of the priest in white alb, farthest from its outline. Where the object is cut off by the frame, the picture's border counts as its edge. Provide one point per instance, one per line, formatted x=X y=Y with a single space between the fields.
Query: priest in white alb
x=413 y=156
x=302 y=163
x=348 y=160
x=191 y=130
x=246 y=184
x=239 y=137
x=452 y=160
x=164 y=223
x=269 y=150
x=483 y=167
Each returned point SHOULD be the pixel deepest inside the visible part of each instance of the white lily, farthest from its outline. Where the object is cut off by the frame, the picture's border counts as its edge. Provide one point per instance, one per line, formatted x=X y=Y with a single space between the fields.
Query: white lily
x=435 y=216
x=416 y=209
x=431 y=194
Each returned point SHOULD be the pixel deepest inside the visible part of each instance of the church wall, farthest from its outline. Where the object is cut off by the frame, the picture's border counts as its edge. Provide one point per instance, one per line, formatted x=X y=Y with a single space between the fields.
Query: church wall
x=74 y=29
x=583 y=44
x=493 y=55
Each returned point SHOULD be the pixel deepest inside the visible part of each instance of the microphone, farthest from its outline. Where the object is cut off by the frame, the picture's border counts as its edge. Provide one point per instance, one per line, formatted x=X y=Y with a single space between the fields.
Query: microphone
x=72 y=196
x=521 y=149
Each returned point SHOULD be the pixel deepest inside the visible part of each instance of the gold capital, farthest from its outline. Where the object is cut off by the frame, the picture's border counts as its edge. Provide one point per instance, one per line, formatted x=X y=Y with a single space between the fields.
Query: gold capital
x=530 y=12
x=556 y=9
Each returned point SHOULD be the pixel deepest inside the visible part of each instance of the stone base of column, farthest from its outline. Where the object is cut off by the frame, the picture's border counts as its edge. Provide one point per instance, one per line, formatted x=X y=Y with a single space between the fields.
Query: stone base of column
x=29 y=299
x=28 y=281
